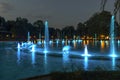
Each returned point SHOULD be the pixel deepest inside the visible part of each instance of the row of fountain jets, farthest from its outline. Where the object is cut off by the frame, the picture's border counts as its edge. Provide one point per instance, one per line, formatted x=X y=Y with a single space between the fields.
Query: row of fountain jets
x=67 y=48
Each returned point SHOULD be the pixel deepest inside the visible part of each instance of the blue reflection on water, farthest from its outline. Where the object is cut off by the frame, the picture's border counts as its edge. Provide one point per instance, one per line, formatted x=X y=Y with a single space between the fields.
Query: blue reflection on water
x=113 y=63
x=18 y=55
x=85 y=63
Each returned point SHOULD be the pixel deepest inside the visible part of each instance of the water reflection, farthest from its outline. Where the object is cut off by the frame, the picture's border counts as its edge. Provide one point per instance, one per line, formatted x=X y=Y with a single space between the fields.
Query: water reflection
x=45 y=61
x=85 y=63
x=65 y=58
x=113 y=63
x=18 y=55
x=75 y=44
x=33 y=57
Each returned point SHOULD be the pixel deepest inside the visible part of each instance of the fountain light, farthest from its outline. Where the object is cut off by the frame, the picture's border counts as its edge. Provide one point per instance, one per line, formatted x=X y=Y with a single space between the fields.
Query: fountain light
x=86 y=52
x=33 y=48
x=66 y=49
x=18 y=46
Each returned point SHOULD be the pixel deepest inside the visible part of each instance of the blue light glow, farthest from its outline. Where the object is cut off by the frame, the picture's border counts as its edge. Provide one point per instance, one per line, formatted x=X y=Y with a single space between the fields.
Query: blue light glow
x=79 y=41
x=51 y=42
x=86 y=52
x=68 y=41
x=66 y=49
x=113 y=63
x=112 y=35
x=65 y=59
x=73 y=41
x=57 y=41
x=118 y=41
x=46 y=44
x=33 y=48
x=33 y=57
x=28 y=36
x=39 y=42
x=85 y=63
x=63 y=41
x=18 y=55
x=18 y=46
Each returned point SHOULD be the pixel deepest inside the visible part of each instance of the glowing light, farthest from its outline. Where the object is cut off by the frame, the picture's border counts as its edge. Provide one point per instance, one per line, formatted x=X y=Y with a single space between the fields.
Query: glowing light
x=73 y=41
x=18 y=46
x=18 y=55
x=68 y=41
x=28 y=36
x=63 y=41
x=57 y=41
x=118 y=41
x=113 y=63
x=85 y=63
x=39 y=42
x=51 y=42
x=113 y=55
x=33 y=57
x=112 y=42
x=86 y=52
x=46 y=44
x=33 y=48
x=66 y=49
x=79 y=41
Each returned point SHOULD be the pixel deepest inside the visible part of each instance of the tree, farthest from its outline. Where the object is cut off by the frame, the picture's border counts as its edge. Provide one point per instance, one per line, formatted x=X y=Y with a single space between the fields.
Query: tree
x=99 y=23
x=81 y=29
x=68 y=31
x=2 y=24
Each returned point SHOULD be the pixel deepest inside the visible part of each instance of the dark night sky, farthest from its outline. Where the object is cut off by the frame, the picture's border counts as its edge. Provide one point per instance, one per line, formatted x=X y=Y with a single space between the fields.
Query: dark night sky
x=59 y=13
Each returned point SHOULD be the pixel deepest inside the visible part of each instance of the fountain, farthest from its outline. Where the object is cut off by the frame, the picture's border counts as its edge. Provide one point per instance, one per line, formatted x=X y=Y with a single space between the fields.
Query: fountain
x=112 y=37
x=28 y=37
x=86 y=52
x=66 y=49
x=18 y=53
x=18 y=46
x=46 y=44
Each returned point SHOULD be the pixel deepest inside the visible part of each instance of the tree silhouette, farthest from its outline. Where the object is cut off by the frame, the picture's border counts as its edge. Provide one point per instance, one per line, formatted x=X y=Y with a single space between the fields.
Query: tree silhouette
x=116 y=9
x=103 y=3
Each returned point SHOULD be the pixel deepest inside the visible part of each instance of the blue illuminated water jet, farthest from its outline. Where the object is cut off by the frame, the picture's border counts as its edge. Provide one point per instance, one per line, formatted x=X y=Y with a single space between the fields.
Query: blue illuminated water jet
x=86 y=52
x=18 y=46
x=33 y=48
x=112 y=38
x=28 y=37
x=18 y=54
x=46 y=44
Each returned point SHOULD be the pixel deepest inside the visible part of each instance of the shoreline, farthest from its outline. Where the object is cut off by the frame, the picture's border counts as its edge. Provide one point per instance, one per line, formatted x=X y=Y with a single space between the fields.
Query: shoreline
x=79 y=75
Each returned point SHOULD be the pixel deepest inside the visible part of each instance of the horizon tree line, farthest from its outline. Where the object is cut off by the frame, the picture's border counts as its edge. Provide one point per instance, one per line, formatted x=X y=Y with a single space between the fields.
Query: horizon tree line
x=98 y=24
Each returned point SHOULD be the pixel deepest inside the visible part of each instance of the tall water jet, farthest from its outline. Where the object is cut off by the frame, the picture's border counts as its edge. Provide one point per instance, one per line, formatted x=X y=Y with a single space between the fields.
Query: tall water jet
x=28 y=37
x=18 y=53
x=46 y=44
x=112 y=38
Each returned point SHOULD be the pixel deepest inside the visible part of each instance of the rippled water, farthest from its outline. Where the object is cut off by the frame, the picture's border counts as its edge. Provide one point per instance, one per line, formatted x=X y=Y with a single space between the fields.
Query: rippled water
x=15 y=64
